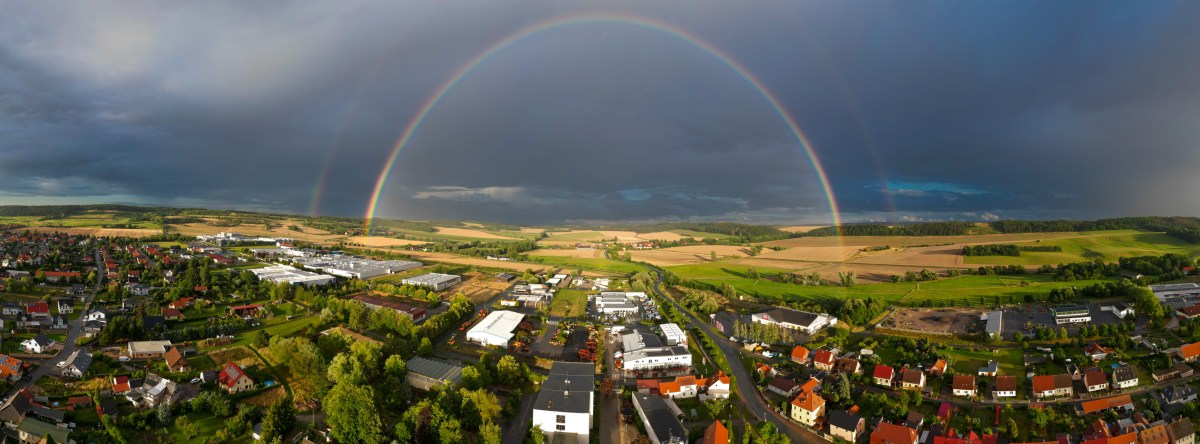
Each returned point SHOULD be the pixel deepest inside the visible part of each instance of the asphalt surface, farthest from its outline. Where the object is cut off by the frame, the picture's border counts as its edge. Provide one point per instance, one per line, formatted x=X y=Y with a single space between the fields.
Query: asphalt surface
x=76 y=327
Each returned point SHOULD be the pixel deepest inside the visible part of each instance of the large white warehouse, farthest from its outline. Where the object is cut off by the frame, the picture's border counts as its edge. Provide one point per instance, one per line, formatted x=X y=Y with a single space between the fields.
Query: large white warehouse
x=496 y=329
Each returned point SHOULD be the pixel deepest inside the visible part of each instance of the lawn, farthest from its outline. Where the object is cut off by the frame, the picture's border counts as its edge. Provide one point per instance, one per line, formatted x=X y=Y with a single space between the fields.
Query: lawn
x=962 y=290
x=206 y=425
x=967 y=361
x=203 y=362
x=1107 y=246
x=569 y=303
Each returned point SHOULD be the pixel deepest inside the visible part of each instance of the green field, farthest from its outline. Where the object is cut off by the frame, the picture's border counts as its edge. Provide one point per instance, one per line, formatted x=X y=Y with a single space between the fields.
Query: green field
x=702 y=234
x=590 y=263
x=968 y=362
x=83 y=220
x=963 y=290
x=569 y=303
x=578 y=236
x=1107 y=246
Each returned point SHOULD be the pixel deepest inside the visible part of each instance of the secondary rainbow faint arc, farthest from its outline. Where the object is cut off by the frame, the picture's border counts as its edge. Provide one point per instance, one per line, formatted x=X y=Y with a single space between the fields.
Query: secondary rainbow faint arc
x=483 y=56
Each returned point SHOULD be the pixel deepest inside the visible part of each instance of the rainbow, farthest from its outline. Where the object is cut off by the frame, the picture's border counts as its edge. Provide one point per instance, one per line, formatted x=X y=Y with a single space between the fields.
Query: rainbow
x=573 y=20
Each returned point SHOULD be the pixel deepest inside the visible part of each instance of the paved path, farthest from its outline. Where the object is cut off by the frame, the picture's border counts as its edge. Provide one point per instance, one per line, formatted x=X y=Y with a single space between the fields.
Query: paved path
x=68 y=346
x=521 y=422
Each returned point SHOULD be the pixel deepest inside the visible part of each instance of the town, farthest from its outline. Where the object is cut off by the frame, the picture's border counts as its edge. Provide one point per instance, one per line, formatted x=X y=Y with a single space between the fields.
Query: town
x=232 y=338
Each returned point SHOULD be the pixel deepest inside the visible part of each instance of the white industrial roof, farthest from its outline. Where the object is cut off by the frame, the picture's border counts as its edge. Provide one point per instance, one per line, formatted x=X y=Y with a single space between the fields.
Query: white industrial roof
x=499 y=324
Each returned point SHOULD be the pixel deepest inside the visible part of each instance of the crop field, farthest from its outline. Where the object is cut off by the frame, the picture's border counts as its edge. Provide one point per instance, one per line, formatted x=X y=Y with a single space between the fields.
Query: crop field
x=595 y=264
x=469 y=233
x=279 y=228
x=570 y=252
x=379 y=241
x=1105 y=247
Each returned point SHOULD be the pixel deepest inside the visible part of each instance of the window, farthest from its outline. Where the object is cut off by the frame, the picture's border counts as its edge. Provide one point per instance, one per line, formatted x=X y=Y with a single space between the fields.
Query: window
x=560 y=419
x=561 y=428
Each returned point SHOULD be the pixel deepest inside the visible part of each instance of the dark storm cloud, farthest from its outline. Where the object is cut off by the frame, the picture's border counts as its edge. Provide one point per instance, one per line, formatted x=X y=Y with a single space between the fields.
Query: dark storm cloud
x=919 y=111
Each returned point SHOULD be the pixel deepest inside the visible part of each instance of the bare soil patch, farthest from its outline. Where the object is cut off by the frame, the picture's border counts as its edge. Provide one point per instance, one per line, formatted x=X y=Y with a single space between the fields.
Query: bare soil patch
x=934 y=320
x=480 y=287
x=661 y=235
x=818 y=254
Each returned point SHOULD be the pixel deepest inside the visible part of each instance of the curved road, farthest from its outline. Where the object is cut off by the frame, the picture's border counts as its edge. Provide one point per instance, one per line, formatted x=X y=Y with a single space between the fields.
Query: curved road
x=750 y=397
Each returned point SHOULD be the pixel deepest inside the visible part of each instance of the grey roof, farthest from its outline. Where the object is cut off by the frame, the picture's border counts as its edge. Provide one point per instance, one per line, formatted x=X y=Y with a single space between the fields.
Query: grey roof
x=1124 y=373
x=41 y=339
x=995 y=322
x=152 y=322
x=660 y=419
x=844 y=420
x=568 y=388
x=430 y=279
x=790 y=316
x=80 y=360
x=1178 y=393
x=46 y=413
x=436 y=369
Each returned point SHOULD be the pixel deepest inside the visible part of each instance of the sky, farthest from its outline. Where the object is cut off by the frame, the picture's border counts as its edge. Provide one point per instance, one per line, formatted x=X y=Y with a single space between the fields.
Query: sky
x=916 y=110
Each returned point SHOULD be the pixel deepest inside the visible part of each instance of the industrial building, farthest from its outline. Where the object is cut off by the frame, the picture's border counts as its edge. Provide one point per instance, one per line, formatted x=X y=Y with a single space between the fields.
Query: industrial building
x=645 y=351
x=615 y=303
x=417 y=314
x=995 y=323
x=1072 y=314
x=563 y=408
x=425 y=374
x=291 y=275
x=496 y=329
x=353 y=267
x=435 y=281
x=795 y=319
x=1162 y=292
x=673 y=335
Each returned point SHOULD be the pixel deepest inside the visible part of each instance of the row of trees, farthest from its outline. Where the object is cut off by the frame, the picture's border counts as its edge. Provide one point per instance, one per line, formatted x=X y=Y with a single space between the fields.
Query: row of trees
x=991 y=250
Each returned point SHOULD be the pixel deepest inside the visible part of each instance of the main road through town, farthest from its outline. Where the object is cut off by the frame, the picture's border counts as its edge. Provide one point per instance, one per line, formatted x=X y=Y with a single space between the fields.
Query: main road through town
x=750 y=397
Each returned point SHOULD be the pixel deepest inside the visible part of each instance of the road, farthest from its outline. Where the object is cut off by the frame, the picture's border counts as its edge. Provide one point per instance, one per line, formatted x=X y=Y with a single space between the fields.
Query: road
x=76 y=327
x=751 y=398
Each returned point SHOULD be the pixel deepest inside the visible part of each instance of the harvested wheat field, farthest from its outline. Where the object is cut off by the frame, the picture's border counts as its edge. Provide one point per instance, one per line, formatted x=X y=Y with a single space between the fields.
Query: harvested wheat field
x=661 y=236
x=529 y=230
x=944 y=256
x=915 y=241
x=280 y=230
x=693 y=254
x=376 y=241
x=569 y=252
x=818 y=254
x=466 y=232
x=480 y=287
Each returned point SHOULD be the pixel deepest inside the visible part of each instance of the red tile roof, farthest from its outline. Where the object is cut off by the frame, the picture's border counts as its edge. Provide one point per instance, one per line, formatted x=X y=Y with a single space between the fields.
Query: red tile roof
x=1190 y=350
x=823 y=357
x=884 y=372
x=230 y=375
x=715 y=434
x=888 y=433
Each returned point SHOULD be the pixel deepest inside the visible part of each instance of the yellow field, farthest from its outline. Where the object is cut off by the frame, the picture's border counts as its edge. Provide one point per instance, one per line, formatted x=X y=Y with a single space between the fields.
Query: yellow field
x=100 y=232
x=661 y=235
x=800 y=228
x=688 y=255
x=466 y=232
x=375 y=241
x=281 y=230
x=570 y=252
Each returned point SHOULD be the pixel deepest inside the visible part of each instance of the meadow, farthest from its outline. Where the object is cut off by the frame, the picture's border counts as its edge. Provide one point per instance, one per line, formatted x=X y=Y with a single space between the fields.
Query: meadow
x=1106 y=246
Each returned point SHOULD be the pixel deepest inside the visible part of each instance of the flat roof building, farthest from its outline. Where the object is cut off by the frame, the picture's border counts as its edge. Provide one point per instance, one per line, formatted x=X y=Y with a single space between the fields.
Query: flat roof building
x=147 y=349
x=563 y=408
x=660 y=419
x=1072 y=314
x=673 y=335
x=995 y=324
x=291 y=275
x=436 y=281
x=794 y=319
x=353 y=267
x=425 y=373
x=496 y=329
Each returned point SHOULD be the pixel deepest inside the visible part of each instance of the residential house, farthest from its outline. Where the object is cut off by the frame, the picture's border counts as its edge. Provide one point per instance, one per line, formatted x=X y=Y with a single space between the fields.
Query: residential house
x=1154 y=435
x=964 y=385
x=783 y=387
x=1189 y=352
x=1182 y=432
x=800 y=355
x=1189 y=312
x=565 y=405
x=40 y=310
x=990 y=370
x=807 y=408
x=883 y=375
x=1179 y=370
x=938 y=368
x=121 y=384
x=888 y=433
x=823 y=360
x=846 y=425
x=35 y=431
x=1006 y=387
x=14 y=410
x=847 y=365
x=58 y=323
x=1125 y=376
x=682 y=387
x=717 y=434
x=147 y=349
x=38 y=344
x=233 y=379
x=175 y=361
x=717 y=386
x=912 y=379
x=1097 y=352
x=246 y=310
x=76 y=365
x=1095 y=380
x=153 y=391
x=65 y=306
x=24 y=320
x=1051 y=386
x=181 y=303
x=11 y=308
x=172 y=314
x=98 y=314
x=1179 y=394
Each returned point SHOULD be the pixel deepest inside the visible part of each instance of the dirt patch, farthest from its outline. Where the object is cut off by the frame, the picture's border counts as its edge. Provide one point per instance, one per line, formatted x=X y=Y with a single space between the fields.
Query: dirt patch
x=466 y=232
x=239 y=355
x=940 y=320
x=266 y=398
x=376 y=241
x=480 y=287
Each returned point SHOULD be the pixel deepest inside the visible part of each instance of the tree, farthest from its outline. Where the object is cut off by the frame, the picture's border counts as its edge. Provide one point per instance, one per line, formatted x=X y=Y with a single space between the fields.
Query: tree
x=279 y=419
x=262 y=338
x=1014 y=429
x=536 y=436
x=346 y=369
x=351 y=414
x=489 y=433
x=164 y=414
x=713 y=255
x=426 y=347
x=509 y=370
